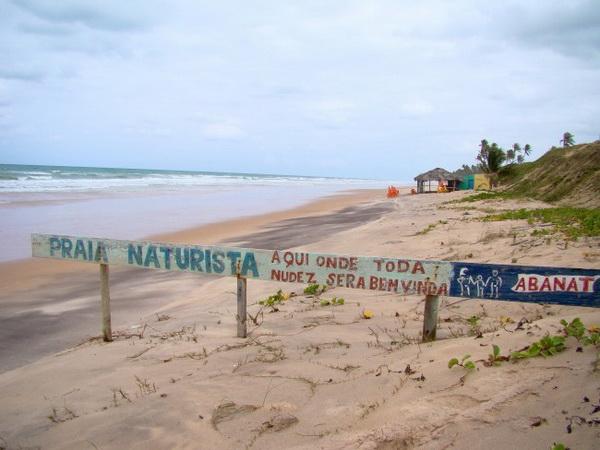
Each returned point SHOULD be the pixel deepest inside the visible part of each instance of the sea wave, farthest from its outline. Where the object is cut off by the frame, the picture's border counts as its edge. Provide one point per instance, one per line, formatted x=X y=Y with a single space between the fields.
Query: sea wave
x=75 y=179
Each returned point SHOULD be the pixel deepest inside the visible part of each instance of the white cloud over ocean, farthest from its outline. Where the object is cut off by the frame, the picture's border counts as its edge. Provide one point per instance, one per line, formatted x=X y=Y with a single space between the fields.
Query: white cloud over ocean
x=367 y=84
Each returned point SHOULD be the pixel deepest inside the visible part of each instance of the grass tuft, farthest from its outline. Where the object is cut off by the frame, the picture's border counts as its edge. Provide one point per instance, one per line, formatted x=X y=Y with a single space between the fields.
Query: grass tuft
x=573 y=222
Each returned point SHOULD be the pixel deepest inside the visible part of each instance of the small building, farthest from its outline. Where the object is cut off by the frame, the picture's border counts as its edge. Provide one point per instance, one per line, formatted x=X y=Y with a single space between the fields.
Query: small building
x=476 y=181
x=437 y=180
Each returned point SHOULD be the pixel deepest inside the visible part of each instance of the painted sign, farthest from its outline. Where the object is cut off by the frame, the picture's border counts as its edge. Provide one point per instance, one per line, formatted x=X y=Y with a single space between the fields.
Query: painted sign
x=400 y=275
x=566 y=286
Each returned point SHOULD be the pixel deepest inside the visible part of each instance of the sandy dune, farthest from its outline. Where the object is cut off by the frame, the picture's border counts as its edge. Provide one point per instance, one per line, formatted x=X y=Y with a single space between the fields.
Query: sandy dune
x=311 y=376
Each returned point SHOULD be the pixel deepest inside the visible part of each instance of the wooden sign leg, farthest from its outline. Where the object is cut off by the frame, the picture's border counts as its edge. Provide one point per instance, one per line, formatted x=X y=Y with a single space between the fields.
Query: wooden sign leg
x=241 y=306
x=431 y=317
x=105 y=300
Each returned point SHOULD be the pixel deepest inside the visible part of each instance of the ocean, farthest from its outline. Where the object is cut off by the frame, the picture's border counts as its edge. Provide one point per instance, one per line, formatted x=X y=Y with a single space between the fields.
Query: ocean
x=134 y=203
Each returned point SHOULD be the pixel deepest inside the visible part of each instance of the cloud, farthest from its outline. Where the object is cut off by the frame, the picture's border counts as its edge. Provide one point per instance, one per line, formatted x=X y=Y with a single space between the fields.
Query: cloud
x=282 y=91
x=45 y=29
x=572 y=29
x=331 y=112
x=30 y=75
x=106 y=16
x=222 y=130
x=312 y=78
x=416 y=108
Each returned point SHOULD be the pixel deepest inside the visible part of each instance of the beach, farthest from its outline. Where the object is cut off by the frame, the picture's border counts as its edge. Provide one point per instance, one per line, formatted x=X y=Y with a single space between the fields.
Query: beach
x=308 y=375
x=58 y=298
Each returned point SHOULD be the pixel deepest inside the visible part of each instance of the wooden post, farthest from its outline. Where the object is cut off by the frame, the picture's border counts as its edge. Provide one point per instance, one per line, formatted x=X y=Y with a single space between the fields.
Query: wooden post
x=241 y=306
x=105 y=300
x=431 y=317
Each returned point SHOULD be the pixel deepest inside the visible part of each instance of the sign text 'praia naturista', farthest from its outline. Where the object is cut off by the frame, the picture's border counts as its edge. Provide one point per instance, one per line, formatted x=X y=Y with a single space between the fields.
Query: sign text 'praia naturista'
x=403 y=276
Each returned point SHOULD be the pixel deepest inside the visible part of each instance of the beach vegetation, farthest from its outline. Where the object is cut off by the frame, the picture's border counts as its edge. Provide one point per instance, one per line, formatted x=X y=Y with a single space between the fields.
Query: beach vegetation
x=273 y=301
x=464 y=362
x=547 y=346
x=431 y=226
x=427 y=229
x=505 y=320
x=575 y=328
x=481 y=196
x=144 y=386
x=560 y=174
x=335 y=301
x=474 y=325
x=315 y=289
x=495 y=358
x=367 y=314
x=593 y=338
x=568 y=140
x=491 y=158
x=573 y=222
x=542 y=232
x=559 y=446
x=516 y=154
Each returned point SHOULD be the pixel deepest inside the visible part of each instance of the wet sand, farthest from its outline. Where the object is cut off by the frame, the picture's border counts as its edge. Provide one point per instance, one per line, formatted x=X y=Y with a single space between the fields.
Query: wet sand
x=47 y=306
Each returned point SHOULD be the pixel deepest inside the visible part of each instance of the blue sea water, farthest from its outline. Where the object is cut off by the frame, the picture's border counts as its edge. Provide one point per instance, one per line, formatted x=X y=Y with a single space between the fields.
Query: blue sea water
x=31 y=178
x=135 y=203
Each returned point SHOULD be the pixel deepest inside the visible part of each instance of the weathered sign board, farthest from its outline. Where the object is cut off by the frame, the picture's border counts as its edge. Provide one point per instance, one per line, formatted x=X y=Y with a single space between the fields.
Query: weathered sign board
x=568 y=286
x=404 y=276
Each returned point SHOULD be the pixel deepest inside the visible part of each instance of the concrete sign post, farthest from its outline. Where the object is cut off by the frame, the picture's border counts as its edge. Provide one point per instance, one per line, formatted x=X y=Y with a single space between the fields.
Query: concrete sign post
x=565 y=286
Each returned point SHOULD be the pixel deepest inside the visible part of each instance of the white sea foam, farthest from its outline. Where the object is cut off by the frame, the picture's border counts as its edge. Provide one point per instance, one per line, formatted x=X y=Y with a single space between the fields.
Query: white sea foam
x=39 y=179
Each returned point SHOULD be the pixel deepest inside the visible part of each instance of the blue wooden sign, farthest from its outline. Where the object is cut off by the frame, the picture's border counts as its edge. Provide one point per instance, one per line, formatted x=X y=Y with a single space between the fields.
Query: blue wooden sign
x=566 y=286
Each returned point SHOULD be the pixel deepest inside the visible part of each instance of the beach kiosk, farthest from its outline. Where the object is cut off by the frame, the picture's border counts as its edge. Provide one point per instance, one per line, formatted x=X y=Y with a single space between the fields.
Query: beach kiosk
x=437 y=180
x=476 y=181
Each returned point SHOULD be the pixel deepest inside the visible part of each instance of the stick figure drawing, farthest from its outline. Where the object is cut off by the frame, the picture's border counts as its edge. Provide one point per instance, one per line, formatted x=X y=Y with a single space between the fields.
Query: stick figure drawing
x=495 y=282
x=464 y=280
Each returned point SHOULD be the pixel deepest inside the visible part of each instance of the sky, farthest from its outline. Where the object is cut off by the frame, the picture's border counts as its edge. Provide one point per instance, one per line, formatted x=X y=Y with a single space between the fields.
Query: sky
x=367 y=89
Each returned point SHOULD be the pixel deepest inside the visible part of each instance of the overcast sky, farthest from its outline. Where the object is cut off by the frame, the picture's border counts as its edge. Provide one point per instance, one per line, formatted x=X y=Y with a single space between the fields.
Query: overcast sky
x=374 y=89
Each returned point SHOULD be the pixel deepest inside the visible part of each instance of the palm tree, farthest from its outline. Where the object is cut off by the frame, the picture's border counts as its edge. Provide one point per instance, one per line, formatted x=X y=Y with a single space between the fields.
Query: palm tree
x=510 y=155
x=527 y=149
x=567 y=140
x=491 y=158
x=496 y=157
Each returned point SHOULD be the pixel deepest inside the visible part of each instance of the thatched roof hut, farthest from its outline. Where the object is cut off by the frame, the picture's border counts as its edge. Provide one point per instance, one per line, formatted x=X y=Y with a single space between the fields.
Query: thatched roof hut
x=440 y=177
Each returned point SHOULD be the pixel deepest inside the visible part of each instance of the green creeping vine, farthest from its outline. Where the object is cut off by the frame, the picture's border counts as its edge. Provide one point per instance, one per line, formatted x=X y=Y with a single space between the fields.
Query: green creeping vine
x=465 y=362
x=315 y=289
x=273 y=300
x=495 y=358
x=334 y=301
x=575 y=329
x=547 y=346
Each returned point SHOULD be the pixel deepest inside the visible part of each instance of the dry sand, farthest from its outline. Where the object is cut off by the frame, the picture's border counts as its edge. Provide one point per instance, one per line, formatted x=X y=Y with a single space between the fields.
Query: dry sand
x=310 y=376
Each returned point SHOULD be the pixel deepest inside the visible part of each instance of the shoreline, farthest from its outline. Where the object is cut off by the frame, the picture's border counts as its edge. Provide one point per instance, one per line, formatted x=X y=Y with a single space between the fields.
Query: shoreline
x=135 y=215
x=59 y=298
x=16 y=274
